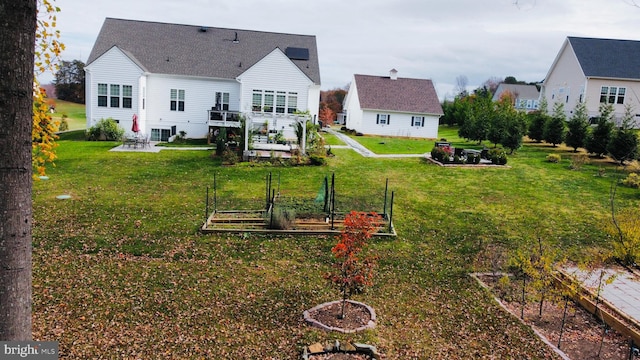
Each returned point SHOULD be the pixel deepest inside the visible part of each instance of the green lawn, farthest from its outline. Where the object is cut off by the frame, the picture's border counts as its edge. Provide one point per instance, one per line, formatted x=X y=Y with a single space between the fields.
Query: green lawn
x=76 y=115
x=398 y=145
x=121 y=270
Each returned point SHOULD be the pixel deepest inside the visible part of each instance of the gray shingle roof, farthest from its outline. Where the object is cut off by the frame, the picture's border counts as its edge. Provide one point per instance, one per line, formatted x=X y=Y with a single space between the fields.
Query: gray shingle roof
x=522 y=91
x=402 y=95
x=607 y=58
x=187 y=50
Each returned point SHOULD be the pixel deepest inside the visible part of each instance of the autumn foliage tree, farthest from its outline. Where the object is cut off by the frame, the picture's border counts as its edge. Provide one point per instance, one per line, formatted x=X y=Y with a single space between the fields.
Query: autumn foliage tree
x=327 y=116
x=353 y=266
x=47 y=50
x=332 y=101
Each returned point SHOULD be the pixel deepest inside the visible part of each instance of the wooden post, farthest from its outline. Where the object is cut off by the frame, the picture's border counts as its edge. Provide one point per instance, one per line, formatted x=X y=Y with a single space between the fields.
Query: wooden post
x=303 y=151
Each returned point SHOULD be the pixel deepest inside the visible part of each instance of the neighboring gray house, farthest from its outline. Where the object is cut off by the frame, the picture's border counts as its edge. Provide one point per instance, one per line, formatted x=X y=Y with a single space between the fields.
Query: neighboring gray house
x=595 y=71
x=392 y=106
x=198 y=79
x=525 y=97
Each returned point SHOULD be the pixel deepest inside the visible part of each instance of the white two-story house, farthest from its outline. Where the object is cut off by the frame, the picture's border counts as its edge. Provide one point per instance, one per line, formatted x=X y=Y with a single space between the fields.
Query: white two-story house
x=198 y=79
x=392 y=106
x=595 y=71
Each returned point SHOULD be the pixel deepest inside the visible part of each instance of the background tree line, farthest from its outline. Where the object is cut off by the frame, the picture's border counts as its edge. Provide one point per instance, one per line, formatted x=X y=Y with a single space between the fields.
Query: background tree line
x=70 y=81
x=480 y=119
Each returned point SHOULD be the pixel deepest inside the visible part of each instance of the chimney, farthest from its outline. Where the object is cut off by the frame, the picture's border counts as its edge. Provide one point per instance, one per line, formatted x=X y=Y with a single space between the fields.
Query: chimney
x=393 y=74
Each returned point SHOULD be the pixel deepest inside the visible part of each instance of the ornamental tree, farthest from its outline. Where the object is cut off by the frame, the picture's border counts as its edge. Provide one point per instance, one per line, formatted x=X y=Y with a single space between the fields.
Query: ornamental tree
x=623 y=144
x=554 y=129
x=599 y=138
x=578 y=127
x=47 y=50
x=353 y=267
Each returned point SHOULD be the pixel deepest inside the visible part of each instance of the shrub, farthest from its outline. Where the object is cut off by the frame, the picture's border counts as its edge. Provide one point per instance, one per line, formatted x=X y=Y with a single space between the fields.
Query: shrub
x=632 y=180
x=180 y=138
x=229 y=157
x=281 y=218
x=498 y=156
x=105 y=129
x=318 y=160
x=64 y=124
x=554 y=158
x=457 y=159
x=439 y=154
x=577 y=161
x=473 y=159
x=626 y=236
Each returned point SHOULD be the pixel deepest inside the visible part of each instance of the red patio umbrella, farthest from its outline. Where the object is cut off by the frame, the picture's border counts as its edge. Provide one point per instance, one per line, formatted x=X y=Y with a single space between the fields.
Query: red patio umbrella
x=135 y=127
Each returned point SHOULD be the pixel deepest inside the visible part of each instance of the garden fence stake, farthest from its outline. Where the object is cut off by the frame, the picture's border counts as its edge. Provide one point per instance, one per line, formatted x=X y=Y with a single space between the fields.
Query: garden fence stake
x=206 y=210
x=386 y=189
x=391 y=213
x=215 y=192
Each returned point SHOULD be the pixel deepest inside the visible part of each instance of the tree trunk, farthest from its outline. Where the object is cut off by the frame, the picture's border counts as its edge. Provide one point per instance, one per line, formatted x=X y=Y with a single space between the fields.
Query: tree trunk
x=564 y=317
x=17 y=41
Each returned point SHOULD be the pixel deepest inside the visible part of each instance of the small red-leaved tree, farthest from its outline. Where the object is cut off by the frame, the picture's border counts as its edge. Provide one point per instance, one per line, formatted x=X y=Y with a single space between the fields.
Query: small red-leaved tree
x=353 y=267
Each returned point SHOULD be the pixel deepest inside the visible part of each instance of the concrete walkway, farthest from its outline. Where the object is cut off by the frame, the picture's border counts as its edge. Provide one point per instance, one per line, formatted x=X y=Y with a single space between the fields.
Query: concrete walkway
x=623 y=291
x=351 y=143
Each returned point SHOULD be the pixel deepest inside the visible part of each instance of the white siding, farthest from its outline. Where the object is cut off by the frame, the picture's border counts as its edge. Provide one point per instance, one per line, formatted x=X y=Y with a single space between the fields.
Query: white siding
x=352 y=105
x=632 y=91
x=565 y=81
x=399 y=125
x=114 y=67
x=199 y=98
x=364 y=121
x=276 y=72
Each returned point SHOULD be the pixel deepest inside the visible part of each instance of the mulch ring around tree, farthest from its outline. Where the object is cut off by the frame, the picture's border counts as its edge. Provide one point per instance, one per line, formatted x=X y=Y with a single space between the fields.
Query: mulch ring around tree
x=357 y=316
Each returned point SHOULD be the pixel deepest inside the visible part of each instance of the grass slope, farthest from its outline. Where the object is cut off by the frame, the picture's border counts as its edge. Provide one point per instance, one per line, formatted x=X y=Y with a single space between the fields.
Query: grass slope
x=76 y=115
x=120 y=270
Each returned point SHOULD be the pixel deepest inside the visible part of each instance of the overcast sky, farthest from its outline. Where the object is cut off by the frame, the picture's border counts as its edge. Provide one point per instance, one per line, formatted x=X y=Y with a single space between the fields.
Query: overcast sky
x=433 y=39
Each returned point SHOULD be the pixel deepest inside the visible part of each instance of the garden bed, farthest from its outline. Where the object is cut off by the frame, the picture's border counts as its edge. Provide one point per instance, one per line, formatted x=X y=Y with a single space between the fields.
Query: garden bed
x=582 y=334
x=257 y=221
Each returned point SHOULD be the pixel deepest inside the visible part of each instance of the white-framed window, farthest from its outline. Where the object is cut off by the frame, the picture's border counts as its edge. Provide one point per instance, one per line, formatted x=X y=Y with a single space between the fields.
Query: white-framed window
x=383 y=119
x=256 y=102
x=102 y=95
x=114 y=98
x=612 y=94
x=417 y=121
x=127 y=96
x=281 y=101
x=292 y=102
x=268 y=101
x=521 y=103
x=222 y=100
x=177 y=100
